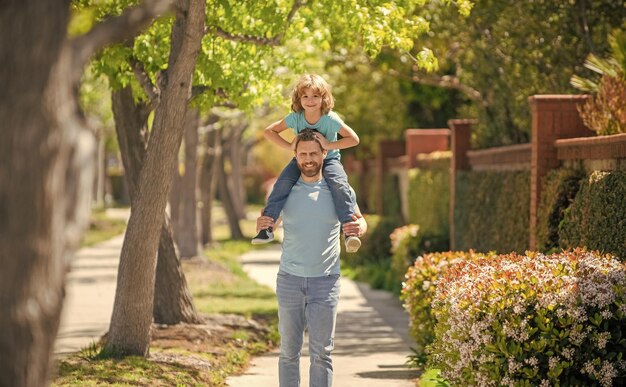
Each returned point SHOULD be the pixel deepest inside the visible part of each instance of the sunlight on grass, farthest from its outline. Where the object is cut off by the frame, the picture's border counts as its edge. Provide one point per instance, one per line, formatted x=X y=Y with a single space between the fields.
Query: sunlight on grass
x=130 y=371
x=102 y=228
x=237 y=293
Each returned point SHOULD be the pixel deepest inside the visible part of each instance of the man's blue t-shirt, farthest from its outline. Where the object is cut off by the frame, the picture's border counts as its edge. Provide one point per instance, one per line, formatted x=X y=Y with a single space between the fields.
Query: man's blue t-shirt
x=311 y=243
x=328 y=125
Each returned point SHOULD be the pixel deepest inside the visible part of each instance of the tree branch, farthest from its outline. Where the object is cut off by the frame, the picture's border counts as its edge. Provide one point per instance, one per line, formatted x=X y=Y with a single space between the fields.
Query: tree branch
x=446 y=81
x=115 y=29
x=242 y=38
x=144 y=80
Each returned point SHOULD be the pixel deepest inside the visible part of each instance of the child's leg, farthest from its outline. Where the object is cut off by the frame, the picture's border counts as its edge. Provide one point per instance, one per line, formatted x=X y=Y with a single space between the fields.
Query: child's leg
x=343 y=196
x=287 y=179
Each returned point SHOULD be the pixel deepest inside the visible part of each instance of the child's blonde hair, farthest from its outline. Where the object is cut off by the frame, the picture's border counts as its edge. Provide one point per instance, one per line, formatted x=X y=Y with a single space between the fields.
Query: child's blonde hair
x=318 y=85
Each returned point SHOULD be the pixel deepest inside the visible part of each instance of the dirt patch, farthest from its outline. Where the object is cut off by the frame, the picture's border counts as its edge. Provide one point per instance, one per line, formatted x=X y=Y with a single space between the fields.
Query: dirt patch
x=212 y=336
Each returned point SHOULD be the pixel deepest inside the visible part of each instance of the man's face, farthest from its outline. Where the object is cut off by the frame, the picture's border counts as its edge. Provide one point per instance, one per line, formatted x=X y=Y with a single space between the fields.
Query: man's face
x=310 y=157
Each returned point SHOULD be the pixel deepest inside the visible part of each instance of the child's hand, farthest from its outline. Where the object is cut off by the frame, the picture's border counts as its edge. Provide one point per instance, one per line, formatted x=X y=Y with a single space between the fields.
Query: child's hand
x=323 y=140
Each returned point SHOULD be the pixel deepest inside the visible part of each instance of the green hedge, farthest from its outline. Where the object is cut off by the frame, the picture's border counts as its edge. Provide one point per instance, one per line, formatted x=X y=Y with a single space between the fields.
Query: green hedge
x=429 y=206
x=559 y=189
x=392 y=202
x=597 y=217
x=492 y=211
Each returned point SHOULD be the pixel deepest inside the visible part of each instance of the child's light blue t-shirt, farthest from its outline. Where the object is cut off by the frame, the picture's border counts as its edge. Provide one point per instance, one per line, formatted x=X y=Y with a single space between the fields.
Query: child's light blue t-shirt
x=311 y=246
x=328 y=125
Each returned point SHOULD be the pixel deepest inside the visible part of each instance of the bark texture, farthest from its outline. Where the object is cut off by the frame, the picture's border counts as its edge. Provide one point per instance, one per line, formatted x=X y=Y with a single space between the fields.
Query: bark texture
x=208 y=178
x=44 y=201
x=225 y=190
x=132 y=311
x=186 y=231
x=173 y=303
x=47 y=157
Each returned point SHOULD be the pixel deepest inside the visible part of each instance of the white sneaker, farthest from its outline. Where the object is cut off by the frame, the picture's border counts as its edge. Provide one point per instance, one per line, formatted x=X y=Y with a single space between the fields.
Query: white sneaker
x=352 y=244
x=264 y=236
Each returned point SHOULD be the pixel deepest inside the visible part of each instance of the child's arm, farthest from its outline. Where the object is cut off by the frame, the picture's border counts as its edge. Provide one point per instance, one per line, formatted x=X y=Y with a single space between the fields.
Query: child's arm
x=348 y=139
x=272 y=133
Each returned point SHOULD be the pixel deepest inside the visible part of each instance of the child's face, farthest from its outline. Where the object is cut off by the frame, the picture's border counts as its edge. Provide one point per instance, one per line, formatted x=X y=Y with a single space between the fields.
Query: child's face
x=311 y=100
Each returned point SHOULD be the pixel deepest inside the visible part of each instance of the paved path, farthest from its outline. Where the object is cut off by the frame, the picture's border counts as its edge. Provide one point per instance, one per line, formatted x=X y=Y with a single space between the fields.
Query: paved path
x=371 y=341
x=90 y=292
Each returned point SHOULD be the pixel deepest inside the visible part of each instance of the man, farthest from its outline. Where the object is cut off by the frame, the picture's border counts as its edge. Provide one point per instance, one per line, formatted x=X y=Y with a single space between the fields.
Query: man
x=307 y=285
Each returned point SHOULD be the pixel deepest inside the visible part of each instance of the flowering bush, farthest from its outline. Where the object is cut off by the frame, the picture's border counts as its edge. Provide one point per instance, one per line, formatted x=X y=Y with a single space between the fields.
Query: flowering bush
x=418 y=292
x=532 y=320
x=405 y=243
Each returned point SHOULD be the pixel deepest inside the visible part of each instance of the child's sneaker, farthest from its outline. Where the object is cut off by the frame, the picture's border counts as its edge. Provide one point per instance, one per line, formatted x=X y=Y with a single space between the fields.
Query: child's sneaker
x=352 y=244
x=265 y=236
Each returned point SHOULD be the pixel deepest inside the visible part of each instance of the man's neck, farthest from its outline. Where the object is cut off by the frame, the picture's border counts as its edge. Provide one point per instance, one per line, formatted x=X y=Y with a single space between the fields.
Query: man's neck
x=312 y=179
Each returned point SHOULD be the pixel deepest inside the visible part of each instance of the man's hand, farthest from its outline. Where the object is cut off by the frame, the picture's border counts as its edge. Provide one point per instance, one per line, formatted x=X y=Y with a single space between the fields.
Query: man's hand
x=357 y=227
x=263 y=222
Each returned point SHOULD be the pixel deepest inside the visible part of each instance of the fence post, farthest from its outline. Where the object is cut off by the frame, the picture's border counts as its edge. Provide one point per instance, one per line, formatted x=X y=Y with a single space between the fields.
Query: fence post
x=553 y=117
x=461 y=133
x=424 y=141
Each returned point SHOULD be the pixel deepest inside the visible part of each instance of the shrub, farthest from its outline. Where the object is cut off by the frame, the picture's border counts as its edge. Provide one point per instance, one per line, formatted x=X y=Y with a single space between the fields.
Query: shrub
x=597 y=217
x=532 y=320
x=605 y=112
x=372 y=263
x=559 y=189
x=418 y=292
x=492 y=211
x=405 y=243
x=429 y=205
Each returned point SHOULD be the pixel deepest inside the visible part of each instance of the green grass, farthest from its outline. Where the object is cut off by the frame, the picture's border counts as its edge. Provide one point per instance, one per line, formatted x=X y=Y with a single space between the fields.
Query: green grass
x=130 y=371
x=102 y=228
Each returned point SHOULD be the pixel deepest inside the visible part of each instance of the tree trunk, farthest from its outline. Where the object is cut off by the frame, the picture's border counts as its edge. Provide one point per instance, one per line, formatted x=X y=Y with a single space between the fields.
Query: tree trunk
x=236 y=171
x=187 y=231
x=174 y=196
x=132 y=311
x=172 y=300
x=226 y=196
x=46 y=175
x=98 y=184
x=208 y=180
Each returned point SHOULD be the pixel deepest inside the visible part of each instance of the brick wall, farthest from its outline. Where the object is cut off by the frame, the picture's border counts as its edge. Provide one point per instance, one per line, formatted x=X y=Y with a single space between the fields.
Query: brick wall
x=419 y=141
x=554 y=117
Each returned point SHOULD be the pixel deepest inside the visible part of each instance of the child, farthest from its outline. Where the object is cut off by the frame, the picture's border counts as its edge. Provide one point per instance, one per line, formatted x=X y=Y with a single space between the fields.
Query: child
x=311 y=102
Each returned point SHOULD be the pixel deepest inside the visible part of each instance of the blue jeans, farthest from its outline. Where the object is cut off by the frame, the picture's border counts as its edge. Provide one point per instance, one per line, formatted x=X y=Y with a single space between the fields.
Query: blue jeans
x=306 y=302
x=336 y=178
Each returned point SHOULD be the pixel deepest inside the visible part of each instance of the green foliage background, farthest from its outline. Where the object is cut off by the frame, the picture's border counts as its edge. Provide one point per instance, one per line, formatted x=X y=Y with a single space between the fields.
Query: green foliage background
x=429 y=204
x=492 y=211
x=596 y=218
x=559 y=189
x=508 y=50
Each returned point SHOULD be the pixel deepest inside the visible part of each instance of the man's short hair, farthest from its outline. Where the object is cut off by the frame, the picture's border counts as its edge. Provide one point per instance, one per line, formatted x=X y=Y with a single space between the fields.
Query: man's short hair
x=307 y=134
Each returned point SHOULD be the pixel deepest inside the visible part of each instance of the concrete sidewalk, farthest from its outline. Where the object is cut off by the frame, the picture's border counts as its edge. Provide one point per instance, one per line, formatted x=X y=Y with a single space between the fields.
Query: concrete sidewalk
x=371 y=340
x=90 y=292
